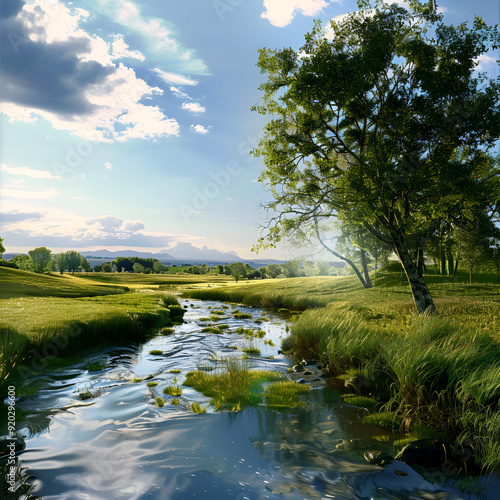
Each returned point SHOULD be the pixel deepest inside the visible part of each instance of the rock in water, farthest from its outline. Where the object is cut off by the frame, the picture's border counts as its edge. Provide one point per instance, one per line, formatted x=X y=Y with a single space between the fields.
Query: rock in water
x=426 y=452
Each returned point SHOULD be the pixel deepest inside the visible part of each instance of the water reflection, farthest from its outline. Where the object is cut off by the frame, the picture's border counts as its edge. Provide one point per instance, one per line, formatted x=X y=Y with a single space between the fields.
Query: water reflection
x=121 y=446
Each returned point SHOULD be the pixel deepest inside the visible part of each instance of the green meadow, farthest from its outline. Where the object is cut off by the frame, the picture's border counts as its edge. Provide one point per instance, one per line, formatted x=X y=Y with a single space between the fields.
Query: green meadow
x=436 y=376
x=433 y=376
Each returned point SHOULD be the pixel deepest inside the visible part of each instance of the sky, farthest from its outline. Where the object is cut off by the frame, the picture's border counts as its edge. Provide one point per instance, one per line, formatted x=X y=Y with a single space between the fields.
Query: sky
x=127 y=124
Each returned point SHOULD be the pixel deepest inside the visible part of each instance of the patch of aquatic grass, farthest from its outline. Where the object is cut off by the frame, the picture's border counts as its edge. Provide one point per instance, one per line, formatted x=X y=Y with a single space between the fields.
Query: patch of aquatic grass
x=167 y=331
x=223 y=326
x=232 y=347
x=218 y=312
x=89 y=394
x=383 y=419
x=156 y=352
x=232 y=385
x=251 y=350
x=369 y=403
x=175 y=402
x=212 y=329
x=160 y=402
x=173 y=390
x=196 y=408
x=174 y=370
x=137 y=380
x=152 y=384
x=285 y=394
x=242 y=316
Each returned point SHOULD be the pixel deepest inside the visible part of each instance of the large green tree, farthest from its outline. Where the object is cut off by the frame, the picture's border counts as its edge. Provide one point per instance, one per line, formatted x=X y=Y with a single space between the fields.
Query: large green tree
x=40 y=258
x=365 y=125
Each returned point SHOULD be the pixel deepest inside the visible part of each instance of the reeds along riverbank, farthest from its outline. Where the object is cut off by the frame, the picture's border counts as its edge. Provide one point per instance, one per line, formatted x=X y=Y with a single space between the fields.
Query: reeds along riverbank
x=71 y=325
x=438 y=372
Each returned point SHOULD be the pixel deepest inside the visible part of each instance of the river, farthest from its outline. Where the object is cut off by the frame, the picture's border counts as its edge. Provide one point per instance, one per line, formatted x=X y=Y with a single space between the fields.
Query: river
x=121 y=446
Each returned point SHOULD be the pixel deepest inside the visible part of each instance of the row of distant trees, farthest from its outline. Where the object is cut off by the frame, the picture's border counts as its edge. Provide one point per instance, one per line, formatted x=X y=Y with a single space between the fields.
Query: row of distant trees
x=41 y=259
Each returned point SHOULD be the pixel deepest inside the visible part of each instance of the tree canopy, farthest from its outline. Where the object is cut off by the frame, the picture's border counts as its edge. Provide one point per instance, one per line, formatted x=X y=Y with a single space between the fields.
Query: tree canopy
x=381 y=125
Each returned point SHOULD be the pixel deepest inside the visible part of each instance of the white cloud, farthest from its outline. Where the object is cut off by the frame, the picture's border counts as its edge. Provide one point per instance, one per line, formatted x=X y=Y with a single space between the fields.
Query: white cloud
x=179 y=93
x=121 y=50
x=25 y=194
x=155 y=32
x=88 y=96
x=200 y=129
x=108 y=166
x=280 y=13
x=193 y=106
x=132 y=225
x=29 y=172
x=174 y=78
x=487 y=64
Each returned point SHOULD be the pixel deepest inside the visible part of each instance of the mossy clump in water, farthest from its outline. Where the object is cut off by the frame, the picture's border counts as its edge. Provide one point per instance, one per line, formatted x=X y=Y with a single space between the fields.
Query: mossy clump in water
x=156 y=352
x=173 y=390
x=137 y=380
x=251 y=350
x=89 y=394
x=174 y=370
x=196 y=408
x=175 y=402
x=285 y=394
x=212 y=329
x=167 y=331
x=160 y=402
x=152 y=384
x=242 y=315
x=235 y=385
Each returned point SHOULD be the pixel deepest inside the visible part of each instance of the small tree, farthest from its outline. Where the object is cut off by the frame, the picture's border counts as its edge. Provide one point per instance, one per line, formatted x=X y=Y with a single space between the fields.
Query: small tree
x=219 y=269
x=238 y=270
x=85 y=265
x=274 y=270
x=2 y=248
x=73 y=261
x=159 y=267
x=291 y=269
x=138 y=268
x=107 y=267
x=23 y=262
x=60 y=262
x=97 y=268
x=40 y=258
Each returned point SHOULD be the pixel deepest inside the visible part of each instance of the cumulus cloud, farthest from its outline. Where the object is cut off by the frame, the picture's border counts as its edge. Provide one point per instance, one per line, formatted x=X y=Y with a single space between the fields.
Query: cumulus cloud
x=28 y=172
x=199 y=129
x=280 y=13
x=193 y=106
x=59 y=228
x=179 y=93
x=54 y=70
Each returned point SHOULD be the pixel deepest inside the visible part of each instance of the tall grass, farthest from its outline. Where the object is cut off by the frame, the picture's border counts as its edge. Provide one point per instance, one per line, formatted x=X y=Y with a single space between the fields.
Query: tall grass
x=438 y=372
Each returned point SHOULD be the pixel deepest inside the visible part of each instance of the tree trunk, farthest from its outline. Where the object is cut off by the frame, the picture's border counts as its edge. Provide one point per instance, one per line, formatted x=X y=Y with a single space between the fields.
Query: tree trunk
x=365 y=269
x=451 y=265
x=421 y=295
x=456 y=267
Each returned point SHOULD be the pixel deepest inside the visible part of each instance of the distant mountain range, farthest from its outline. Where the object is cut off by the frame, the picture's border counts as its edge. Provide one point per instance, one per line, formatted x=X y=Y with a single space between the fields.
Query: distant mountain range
x=184 y=252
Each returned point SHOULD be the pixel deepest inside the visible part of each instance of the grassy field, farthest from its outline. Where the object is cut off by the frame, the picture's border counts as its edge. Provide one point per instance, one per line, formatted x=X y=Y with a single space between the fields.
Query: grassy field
x=440 y=373
x=438 y=376
x=54 y=315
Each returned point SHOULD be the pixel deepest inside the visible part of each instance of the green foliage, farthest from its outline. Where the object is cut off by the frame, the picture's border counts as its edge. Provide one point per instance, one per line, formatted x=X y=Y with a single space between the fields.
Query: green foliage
x=2 y=248
x=384 y=128
x=40 y=258
x=72 y=261
x=160 y=402
x=285 y=394
x=173 y=390
x=196 y=408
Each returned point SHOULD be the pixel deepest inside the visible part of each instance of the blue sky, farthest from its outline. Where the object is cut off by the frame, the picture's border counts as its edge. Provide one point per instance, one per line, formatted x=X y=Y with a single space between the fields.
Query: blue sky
x=127 y=124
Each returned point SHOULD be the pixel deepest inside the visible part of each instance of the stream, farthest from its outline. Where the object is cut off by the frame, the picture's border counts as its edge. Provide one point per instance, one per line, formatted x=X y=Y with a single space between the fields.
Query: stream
x=121 y=446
